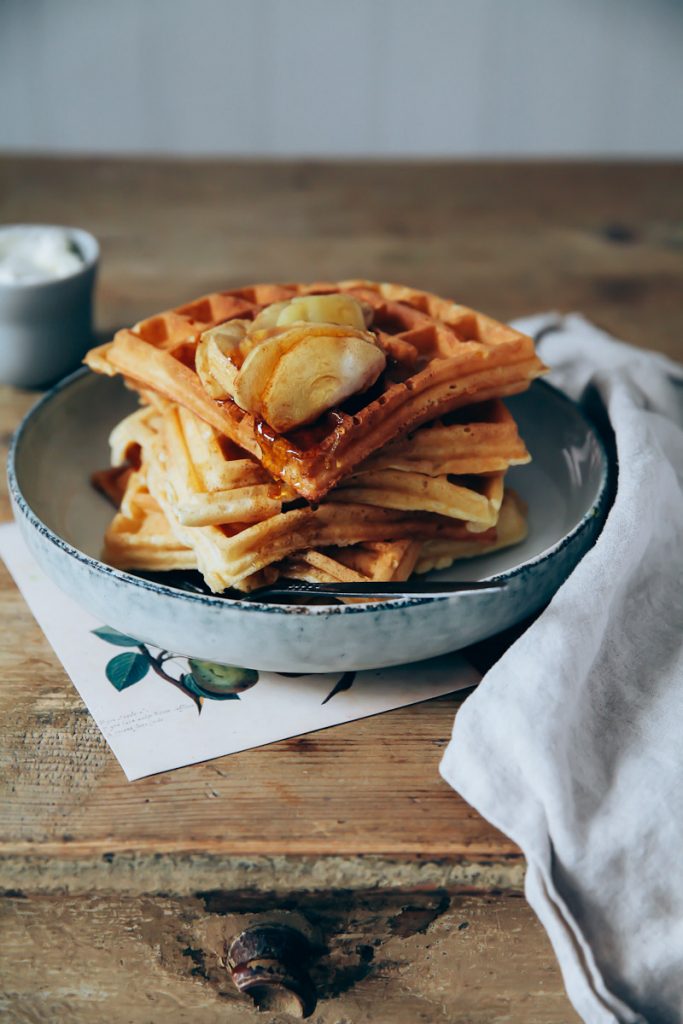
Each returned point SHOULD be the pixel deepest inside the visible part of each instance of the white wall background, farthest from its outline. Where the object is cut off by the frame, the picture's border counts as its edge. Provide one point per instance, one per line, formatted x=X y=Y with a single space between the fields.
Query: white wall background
x=342 y=77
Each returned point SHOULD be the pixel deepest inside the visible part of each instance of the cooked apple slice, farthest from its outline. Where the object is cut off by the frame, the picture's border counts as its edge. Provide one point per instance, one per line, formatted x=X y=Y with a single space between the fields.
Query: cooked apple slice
x=294 y=361
x=292 y=378
x=267 y=318
x=256 y=370
x=219 y=356
x=323 y=309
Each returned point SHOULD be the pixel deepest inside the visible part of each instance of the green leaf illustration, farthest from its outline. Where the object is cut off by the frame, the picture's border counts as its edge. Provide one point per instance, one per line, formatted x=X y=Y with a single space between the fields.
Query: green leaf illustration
x=126 y=669
x=221 y=682
x=344 y=683
x=112 y=636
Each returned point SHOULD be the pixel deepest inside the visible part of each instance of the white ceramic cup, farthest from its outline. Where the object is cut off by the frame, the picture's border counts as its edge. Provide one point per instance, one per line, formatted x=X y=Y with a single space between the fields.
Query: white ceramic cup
x=46 y=327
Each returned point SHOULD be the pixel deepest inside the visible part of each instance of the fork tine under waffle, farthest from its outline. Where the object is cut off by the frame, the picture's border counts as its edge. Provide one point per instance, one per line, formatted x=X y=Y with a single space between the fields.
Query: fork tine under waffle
x=441 y=356
x=380 y=562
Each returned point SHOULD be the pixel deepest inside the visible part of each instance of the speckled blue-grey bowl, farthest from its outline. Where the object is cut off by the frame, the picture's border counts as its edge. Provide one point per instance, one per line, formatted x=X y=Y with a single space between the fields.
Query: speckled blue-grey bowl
x=62 y=520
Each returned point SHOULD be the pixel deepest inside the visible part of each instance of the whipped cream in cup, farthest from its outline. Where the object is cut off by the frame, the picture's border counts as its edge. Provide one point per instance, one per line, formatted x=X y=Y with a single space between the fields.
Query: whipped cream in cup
x=47 y=275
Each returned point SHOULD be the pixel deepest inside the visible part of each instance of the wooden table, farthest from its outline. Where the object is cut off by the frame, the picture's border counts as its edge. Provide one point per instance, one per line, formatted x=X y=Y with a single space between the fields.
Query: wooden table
x=120 y=897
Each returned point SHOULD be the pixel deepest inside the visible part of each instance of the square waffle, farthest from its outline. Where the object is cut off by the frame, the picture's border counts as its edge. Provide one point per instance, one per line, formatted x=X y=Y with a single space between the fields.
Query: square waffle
x=476 y=500
x=178 y=462
x=214 y=483
x=476 y=439
x=440 y=357
x=511 y=528
x=139 y=536
x=380 y=562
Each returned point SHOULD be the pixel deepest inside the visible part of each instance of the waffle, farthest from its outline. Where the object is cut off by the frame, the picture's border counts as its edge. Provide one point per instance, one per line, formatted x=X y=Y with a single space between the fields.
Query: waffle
x=147 y=543
x=242 y=559
x=178 y=457
x=440 y=357
x=237 y=558
x=139 y=536
x=210 y=482
x=380 y=562
x=480 y=438
x=476 y=500
x=511 y=528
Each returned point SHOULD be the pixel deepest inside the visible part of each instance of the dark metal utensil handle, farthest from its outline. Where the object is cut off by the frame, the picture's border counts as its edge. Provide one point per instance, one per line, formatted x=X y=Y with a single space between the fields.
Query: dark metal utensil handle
x=417 y=588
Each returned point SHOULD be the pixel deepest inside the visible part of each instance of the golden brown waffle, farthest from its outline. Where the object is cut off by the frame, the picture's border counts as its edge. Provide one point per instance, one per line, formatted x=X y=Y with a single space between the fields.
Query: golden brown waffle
x=441 y=356
x=139 y=536
x=475 y=499
x=381 y=561
x=511 y=528
x=361 y=563
x=480 y=438
x=235 y=559
x=238 y=554
x=192 y=499
x=238 y=560
x=210 y=482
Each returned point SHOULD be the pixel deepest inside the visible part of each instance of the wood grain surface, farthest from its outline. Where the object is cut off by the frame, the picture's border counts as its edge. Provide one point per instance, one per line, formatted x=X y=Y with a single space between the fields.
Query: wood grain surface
x=467 y=959
x=507 y=238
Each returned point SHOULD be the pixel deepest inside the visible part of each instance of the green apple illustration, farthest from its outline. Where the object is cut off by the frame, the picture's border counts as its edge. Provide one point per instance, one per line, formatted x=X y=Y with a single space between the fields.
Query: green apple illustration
x=219 y=682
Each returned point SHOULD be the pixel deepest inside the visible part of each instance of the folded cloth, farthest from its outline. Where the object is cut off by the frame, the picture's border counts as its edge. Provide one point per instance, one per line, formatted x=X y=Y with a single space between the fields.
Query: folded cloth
x=573 y=743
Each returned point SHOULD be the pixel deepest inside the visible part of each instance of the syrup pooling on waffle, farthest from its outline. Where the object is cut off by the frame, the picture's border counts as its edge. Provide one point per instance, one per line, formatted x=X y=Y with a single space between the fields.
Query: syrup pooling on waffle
x=439 y=357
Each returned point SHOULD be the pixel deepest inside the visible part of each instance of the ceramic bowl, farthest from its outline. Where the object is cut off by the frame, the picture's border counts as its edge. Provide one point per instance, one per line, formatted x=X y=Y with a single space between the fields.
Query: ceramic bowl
x=46 y=326
x=62 y=519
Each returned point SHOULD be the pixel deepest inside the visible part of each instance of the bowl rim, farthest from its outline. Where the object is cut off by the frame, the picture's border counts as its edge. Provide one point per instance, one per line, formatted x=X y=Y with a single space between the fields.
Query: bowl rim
x=88 y=246
x=21 y=505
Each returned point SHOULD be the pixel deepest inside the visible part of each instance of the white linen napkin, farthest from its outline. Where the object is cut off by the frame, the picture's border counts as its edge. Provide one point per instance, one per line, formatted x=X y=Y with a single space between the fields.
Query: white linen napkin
x=573 y=743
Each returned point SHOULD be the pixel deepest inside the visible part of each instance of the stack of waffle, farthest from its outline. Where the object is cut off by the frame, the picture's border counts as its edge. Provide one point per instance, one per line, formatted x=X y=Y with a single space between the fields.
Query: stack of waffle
x=404 y=475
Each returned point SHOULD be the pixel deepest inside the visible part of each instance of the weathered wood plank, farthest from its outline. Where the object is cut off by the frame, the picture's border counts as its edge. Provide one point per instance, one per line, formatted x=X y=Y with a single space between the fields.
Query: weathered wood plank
x=509 y=238
x=384 y=960
x=366 y=787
